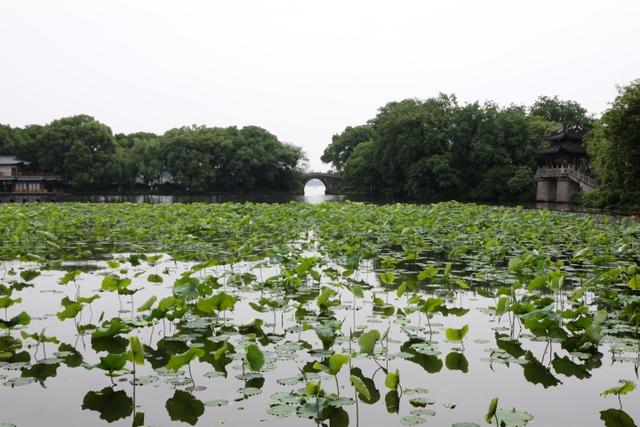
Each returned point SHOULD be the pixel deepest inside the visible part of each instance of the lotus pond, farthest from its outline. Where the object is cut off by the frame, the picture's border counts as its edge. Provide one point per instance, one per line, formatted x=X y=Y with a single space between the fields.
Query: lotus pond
x=335 y=314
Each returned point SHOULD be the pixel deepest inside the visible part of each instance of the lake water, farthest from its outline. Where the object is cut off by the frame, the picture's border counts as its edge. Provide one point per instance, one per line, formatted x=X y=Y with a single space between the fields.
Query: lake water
x=312 y=194
x=442 y=382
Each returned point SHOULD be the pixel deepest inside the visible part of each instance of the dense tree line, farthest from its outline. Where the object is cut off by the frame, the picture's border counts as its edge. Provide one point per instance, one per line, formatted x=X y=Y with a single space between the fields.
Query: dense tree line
x=88 y=157
x=439 y=149
x=614 y=148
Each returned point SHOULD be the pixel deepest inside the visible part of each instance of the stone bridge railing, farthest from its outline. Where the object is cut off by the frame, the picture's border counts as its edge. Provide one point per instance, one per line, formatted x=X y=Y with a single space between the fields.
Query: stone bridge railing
x=568 y=172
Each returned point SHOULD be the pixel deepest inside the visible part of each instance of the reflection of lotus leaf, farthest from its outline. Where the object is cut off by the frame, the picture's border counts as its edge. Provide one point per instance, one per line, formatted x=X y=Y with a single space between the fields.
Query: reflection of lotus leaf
x=536 y=373
x=184 y=407
x=392 y=401
x=41 y=371
x=616 y=418
x=112 y=405
x=457 y=362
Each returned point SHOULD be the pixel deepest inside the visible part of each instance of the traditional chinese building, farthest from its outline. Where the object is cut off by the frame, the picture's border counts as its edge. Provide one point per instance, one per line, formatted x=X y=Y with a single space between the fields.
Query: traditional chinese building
x=16 y=177
x=564 y=167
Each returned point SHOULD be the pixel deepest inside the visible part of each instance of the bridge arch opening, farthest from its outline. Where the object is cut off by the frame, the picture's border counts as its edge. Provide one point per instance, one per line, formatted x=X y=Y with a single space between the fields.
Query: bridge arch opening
x=315 y=187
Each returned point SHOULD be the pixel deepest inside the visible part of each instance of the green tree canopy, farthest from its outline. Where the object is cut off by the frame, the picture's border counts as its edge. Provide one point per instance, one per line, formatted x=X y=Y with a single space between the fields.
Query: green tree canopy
x=201 y=158
x=343 y=144
x=88 y=157
x=561 y=111
x=8 y=140
x=614 y=143
x=439 y=149
x=78 y=148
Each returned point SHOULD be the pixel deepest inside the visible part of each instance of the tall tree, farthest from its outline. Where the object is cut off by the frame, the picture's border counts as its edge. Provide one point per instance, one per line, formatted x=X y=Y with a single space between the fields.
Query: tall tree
x=8 y=140
x=124 y=167
x=230 y=159
x=145 y=150
x=561 y=111
x=79 y=149
x=614 y=143
x=343 y=144
x=438 y=149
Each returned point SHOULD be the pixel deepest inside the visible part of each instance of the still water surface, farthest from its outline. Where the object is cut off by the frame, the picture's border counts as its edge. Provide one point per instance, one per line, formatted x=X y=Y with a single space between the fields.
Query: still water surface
x=441 y=381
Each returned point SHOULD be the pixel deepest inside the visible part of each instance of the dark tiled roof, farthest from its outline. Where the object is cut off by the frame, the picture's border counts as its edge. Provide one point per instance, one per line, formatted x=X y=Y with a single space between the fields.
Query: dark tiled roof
x=567 y=147
x=567 y=140
x=11 y=160
x=568 y=133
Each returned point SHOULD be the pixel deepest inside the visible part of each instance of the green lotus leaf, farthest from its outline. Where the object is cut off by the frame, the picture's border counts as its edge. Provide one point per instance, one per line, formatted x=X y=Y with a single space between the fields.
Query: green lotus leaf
x=255 y=357
x=368 y=340
x=453 y=334
x=179 y=360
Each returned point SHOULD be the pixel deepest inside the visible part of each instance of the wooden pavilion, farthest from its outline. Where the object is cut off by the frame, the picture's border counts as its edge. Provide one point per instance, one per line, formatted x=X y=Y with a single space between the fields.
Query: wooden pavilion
x=564 y=167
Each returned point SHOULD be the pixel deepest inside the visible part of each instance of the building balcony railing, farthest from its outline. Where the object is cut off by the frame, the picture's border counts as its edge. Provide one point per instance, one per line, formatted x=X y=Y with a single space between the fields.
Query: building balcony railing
x=34 y=174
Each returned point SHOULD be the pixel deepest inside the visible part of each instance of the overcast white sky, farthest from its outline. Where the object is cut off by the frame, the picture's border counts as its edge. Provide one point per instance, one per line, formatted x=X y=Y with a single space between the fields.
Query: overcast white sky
x=302 y=69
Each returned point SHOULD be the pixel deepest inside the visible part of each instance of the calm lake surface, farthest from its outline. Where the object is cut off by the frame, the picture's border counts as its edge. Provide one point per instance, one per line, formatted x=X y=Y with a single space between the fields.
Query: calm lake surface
x=442 y=382
x=312 y=194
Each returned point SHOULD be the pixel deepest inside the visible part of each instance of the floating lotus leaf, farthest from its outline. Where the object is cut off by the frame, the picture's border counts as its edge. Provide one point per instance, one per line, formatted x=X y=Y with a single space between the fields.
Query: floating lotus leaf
x=281 y=410
x=216 y=403
x=420 y=402
x=18 y=381
x=423 y=412
x=513 y=418
x=412 y=420
x=249 y=391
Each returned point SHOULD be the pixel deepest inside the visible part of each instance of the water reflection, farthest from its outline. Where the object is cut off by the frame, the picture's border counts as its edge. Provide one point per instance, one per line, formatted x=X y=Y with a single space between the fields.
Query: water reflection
x=184 y=407
x=110 y=404
x=313 y=197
